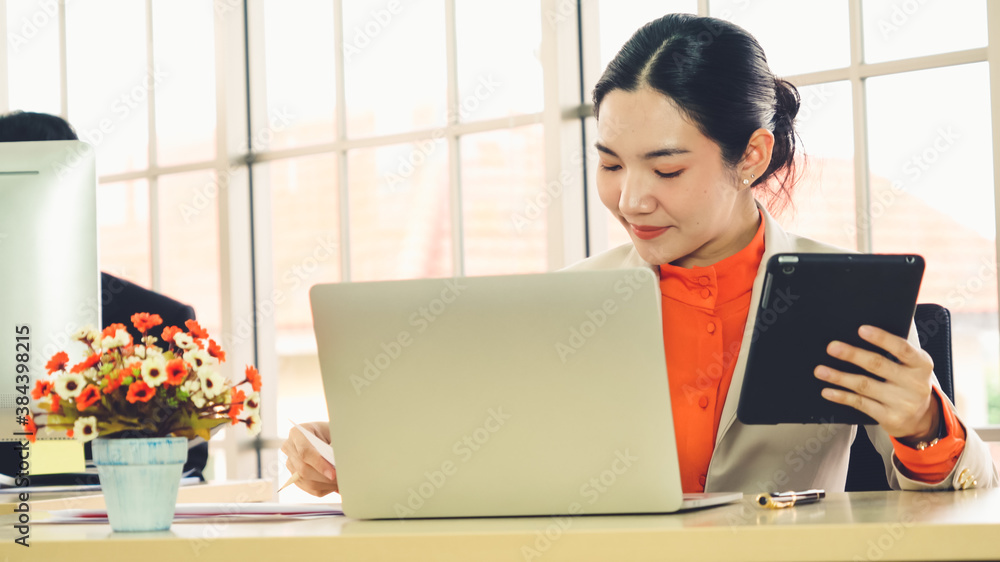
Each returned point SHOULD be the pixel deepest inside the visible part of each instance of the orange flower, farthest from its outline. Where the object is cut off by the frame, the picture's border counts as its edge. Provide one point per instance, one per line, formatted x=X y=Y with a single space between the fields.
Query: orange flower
x=54 y=405
x=195 y=328
x=236 y=401
x=57 y=363
x=215 y=350
x=177 y=371
x=253 y=377
x=140 y=392
x=87 y=398
x=143 y=321
x=42 y=389
x=111 y=330
x=115 y=380
x=169 y=332
x=31 y=429
x=69 y=432
x=87 y=363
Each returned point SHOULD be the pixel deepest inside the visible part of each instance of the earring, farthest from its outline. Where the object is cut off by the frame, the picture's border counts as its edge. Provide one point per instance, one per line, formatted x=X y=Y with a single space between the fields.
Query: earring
x=746 y=181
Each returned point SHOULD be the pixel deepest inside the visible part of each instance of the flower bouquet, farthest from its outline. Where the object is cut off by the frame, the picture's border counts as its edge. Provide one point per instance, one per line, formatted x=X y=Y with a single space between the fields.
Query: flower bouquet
x=142 y=402
x=128 y=389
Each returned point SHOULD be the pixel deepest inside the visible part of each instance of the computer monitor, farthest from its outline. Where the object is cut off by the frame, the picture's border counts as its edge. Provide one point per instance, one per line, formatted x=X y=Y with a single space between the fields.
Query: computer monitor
x=49 y=277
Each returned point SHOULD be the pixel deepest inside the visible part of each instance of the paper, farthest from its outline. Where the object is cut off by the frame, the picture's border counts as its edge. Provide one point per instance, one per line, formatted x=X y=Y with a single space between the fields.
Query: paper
x=194 y=511
x=47 y=456
x=323 y=447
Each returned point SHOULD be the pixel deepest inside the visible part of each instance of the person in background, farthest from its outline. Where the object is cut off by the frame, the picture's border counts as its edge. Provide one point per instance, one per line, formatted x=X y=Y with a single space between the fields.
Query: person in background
x=120 y=299
x=694 y=131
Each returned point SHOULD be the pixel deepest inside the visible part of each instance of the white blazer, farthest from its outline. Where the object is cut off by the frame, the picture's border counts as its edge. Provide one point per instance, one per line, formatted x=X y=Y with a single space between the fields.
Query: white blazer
x=765 y=458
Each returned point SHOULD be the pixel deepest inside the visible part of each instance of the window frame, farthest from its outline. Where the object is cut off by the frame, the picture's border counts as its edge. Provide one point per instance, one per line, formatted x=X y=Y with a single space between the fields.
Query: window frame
x=577 y=221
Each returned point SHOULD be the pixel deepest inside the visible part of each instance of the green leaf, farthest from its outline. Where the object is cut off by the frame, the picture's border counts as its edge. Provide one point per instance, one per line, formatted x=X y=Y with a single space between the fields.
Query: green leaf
x=106 y=368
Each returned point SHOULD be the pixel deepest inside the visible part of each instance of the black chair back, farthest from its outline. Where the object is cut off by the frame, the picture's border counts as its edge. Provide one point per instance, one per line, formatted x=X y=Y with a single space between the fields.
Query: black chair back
x=866 y=470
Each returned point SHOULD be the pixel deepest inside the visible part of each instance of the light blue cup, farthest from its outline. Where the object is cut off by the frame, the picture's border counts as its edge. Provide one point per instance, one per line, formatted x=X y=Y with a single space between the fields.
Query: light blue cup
x=139 y=478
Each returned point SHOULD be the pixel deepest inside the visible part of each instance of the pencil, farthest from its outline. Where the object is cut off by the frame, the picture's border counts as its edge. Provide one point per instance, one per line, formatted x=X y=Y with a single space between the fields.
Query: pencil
x=295 y=478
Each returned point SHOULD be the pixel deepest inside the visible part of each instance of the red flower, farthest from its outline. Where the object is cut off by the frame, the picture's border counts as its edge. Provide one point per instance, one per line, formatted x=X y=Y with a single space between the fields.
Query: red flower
x=177 y=371
x=253 y=377
x=87 y=363
x=169 y=332
x=140 y=392
x=88 y=397
x=143 y=321
x=236 y=401
x=195 y=328
x=216 y=351
x=42 y=389
x=31 y=429
x=111 y=330
x=57 y=363
x=54 y=405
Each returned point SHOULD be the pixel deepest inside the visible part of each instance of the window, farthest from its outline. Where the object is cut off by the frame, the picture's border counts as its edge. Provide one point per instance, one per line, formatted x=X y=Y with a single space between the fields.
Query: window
x=332 y=141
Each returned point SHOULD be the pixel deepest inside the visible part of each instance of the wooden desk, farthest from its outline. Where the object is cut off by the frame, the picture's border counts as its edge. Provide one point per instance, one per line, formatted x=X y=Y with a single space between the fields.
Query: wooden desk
x=857 y=526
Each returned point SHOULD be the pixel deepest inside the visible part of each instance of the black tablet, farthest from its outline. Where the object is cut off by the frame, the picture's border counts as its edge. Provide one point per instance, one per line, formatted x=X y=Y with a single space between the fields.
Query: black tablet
x=809 y=300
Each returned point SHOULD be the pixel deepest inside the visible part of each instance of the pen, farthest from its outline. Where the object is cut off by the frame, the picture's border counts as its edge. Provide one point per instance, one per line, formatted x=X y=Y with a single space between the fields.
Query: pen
x=788 y=499
x=295 y=478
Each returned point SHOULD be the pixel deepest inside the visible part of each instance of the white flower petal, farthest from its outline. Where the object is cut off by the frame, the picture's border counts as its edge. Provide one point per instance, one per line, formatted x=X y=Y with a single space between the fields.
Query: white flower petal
x=70 y=385
x=85 y=429
x=184 y=341
x=251 y=404
x=253 y=425
x=154 y=370
x=198 y=399
x=191 y=386
x=212 y=383
x=199 y=359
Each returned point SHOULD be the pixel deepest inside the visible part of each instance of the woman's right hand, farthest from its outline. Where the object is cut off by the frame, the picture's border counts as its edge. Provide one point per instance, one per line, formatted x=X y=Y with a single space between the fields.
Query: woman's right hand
x=316 y=475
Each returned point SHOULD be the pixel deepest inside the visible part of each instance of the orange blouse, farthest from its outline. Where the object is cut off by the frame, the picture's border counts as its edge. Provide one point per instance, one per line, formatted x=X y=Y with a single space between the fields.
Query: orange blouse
x=705 y=311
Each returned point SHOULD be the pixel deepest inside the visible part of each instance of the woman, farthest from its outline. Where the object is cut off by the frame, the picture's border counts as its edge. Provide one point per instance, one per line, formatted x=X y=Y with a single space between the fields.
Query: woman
x=691 y=122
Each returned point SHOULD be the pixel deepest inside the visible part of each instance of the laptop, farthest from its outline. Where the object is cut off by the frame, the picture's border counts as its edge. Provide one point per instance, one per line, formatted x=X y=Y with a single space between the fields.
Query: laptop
x=518 y=395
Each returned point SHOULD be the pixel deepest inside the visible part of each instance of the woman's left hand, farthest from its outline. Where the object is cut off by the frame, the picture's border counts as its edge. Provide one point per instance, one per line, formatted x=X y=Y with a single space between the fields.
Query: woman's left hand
x=904 y=405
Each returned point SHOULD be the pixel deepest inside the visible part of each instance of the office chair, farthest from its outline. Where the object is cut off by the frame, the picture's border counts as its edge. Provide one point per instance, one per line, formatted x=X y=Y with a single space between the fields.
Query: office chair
x=866 y=470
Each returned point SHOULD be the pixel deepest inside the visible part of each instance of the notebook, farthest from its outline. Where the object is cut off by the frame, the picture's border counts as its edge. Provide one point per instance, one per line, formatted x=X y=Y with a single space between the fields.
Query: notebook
x=542 y=394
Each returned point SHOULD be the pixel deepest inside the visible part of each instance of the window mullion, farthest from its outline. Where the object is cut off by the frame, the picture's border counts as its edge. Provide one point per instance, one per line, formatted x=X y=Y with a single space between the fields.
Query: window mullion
x=63 y=73
x=340 y=107
x=860 y=117
x=454 y=154
x=993 y=58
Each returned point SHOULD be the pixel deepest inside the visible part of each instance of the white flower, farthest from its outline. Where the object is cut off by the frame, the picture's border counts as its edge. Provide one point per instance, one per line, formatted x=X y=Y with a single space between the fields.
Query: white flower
x=198 y=399
x=121 y=339
x=191 y=386
x=154 y=370
x=85 y=429
x=253 y=424
x=199 y=358
x=212 y=383
x=251 y=404
x=87 y=333
x=184 y=341
x=70 y=385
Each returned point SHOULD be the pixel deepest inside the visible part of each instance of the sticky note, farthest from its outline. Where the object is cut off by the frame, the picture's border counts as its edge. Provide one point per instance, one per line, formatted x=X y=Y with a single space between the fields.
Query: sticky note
x=52 y=456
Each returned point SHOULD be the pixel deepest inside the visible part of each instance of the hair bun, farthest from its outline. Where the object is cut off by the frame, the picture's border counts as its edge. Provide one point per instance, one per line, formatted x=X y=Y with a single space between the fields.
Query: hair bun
x=786 y=106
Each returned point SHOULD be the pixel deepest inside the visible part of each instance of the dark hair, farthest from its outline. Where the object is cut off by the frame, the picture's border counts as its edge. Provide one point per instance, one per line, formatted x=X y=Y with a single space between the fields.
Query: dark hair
x=18 y=126
x=717 y=74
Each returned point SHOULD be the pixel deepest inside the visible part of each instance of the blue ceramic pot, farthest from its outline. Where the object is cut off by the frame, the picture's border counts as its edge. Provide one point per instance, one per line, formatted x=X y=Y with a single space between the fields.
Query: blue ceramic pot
x=139 y=478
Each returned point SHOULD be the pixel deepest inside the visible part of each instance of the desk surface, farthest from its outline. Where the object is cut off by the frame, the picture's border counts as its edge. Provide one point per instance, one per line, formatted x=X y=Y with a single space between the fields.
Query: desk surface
x=858 y=526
